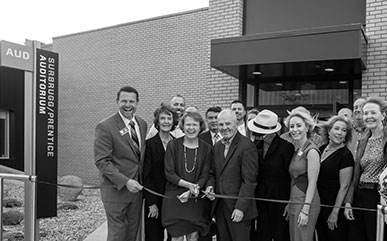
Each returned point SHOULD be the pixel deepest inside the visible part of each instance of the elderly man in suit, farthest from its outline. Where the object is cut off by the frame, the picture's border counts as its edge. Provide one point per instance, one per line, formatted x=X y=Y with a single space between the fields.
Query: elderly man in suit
x=212 y=135
x=234 y=173
x=119 y=149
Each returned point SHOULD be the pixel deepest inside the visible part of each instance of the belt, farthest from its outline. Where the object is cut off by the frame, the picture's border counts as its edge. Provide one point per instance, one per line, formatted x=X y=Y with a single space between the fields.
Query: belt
x=368 y=185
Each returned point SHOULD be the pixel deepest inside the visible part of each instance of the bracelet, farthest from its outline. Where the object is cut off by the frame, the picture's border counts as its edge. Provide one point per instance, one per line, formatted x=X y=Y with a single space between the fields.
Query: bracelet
x=305 y=213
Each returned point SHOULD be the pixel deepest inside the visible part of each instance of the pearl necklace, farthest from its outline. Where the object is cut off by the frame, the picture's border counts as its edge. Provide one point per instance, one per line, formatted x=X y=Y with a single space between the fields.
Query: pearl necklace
x=185 y=160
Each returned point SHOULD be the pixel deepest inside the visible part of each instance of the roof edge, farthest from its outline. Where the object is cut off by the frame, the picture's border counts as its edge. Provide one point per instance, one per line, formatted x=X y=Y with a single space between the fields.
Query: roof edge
x=134 y=22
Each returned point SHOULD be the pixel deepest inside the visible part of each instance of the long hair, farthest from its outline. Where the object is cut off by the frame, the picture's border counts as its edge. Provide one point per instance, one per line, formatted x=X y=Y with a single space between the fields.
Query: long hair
x=326 y=127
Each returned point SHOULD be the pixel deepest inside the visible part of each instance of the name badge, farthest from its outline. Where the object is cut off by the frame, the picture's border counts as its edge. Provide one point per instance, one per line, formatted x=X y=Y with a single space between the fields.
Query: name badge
x=124 y=131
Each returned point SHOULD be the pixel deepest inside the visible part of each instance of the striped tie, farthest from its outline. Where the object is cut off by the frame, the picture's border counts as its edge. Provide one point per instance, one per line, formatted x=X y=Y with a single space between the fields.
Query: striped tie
x=134 y=137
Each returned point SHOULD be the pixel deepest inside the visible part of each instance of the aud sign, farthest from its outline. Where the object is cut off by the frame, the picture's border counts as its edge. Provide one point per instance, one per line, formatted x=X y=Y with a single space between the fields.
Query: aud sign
x=16 y=56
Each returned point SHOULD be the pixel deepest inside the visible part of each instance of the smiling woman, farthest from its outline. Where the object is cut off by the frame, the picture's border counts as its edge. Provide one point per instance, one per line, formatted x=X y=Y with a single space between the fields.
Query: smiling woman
x=304 y=169
x=187 y=164
x=371 y=158
x=334 y=178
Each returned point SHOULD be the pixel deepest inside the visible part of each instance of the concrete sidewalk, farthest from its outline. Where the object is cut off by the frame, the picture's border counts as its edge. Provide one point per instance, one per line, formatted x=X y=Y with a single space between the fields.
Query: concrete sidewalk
x=99 y=234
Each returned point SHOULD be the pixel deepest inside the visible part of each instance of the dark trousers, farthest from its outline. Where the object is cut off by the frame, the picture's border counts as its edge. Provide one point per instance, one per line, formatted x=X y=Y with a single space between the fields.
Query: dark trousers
x=363 y=228
x=207 y=211
x=271 y=224
x=154 y=230
x=229 y=230
x=123 y=219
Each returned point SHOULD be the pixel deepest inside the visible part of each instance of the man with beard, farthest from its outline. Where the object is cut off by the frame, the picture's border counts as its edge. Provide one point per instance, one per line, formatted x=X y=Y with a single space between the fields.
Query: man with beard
x=177 y=103
x=240 y=112
x=119 y=149
x=212 y=135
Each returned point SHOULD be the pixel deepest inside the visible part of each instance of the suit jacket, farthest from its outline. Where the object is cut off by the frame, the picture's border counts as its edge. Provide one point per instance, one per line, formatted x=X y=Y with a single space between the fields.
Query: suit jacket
x=236 y=175
x=206 y=136
x=115 y=157
x=154 y=175
x=273 y=175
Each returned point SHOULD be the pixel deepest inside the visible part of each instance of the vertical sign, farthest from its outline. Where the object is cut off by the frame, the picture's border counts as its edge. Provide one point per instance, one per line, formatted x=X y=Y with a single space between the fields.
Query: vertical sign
x=46 y=131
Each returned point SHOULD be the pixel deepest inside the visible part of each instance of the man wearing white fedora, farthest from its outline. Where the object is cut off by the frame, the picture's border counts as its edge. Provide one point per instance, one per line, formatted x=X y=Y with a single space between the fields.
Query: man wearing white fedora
x=274 y=156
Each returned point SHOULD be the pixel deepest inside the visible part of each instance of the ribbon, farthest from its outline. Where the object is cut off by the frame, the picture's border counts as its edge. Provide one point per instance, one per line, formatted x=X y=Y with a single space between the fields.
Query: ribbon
x=214 y=195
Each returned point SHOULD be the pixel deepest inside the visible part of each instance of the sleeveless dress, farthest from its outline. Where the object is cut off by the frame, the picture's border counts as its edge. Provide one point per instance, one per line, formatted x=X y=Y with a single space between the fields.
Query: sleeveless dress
x=298 y=172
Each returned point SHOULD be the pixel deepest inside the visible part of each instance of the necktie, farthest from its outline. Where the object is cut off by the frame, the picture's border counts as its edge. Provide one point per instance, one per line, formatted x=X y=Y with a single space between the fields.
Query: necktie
x=226 y=144
x=215 y=139
x=134 y=136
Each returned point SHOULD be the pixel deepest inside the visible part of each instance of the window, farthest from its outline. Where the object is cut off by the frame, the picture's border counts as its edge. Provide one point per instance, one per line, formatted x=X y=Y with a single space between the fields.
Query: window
x=4 y=134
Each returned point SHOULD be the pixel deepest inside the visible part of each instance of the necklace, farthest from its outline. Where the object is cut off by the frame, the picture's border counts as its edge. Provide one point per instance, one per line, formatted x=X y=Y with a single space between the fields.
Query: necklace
x=185 y=160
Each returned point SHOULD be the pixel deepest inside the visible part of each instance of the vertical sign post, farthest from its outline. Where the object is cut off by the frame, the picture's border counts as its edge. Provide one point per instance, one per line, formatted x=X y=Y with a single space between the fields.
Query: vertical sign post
x=46 y=127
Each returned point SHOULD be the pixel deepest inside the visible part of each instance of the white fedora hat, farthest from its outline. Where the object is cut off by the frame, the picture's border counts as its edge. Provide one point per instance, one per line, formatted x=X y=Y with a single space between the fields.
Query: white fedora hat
x=266 y=122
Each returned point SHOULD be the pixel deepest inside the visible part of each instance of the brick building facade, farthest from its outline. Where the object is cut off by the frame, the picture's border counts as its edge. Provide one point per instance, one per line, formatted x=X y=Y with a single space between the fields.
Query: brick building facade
x=162 y=57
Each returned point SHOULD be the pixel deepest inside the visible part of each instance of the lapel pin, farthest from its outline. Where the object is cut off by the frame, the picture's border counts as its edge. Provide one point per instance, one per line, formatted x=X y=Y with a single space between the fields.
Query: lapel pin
x=124 y=131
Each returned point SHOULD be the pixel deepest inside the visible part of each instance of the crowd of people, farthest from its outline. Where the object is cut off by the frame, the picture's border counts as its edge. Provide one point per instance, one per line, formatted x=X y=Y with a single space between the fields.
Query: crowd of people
x=239 y=176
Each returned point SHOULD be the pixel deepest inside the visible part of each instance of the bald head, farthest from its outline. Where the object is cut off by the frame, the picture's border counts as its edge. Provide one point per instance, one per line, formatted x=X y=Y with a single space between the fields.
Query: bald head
x=346 y=113
x=227 y=122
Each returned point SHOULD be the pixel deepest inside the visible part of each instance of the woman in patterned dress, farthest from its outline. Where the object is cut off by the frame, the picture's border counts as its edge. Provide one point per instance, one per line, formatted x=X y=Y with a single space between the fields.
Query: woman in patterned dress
x=369 y=163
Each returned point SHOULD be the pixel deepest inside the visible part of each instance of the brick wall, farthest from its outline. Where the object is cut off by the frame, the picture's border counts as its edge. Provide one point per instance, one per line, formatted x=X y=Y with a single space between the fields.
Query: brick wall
x=160 y=57
x=225 y=19
x=375 y=77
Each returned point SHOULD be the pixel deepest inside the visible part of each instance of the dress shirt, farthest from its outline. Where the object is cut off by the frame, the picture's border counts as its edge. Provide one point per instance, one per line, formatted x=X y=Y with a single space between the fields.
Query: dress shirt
x=242 y=129
x=227 y=144
x=136 y=127
x=215 y=137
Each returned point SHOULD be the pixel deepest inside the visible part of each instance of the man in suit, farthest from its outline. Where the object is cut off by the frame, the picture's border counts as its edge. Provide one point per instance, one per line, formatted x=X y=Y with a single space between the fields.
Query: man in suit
x=212 y=135
x=234 y=173
x=119 y=149
x=274 y=156
x=238 y=107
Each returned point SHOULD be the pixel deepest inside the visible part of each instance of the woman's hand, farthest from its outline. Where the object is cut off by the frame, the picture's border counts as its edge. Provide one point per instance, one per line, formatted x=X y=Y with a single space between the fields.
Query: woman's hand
x=303 y=218
x=286 y=212
x=153 y=211
x=194 y=189
x=183 y=198
x=332 y=221
x=348 y=212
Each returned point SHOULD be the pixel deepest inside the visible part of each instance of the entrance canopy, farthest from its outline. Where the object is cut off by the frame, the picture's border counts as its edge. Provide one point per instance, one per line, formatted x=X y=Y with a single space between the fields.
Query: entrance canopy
x=342 y=48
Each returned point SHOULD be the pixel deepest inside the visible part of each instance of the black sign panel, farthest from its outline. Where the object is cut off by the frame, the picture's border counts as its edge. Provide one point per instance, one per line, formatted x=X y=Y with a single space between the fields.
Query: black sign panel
x=46 y=131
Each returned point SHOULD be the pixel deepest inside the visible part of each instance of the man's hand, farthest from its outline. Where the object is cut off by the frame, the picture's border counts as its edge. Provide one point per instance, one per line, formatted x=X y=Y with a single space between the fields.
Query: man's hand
x=133 y=186
x=237 y=215
x=210 y=193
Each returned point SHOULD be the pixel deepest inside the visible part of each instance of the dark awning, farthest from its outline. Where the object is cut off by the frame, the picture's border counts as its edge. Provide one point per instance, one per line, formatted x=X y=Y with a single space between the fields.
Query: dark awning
x=327 y=44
